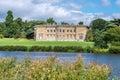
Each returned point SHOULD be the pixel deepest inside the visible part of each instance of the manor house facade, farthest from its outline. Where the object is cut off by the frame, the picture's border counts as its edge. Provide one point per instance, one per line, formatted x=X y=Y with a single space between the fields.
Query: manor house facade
x=60 y=32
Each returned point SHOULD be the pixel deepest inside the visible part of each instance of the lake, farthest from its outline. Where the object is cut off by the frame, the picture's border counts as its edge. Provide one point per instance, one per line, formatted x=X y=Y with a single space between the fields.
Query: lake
x=112 y=60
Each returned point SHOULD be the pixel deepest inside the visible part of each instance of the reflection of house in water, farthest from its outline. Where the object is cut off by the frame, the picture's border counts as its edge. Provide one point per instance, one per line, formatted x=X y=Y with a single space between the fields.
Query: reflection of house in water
x=60 y=33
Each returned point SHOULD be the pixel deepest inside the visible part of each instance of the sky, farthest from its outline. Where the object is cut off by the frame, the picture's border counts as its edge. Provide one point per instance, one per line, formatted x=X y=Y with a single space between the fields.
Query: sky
x=71 y=11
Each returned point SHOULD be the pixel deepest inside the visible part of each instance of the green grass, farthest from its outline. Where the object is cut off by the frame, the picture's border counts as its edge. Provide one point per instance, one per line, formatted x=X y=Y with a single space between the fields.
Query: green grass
x=29 y=43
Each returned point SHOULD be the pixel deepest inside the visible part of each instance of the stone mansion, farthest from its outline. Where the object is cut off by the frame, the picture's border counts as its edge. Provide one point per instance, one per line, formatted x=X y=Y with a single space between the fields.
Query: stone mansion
x=60 y=32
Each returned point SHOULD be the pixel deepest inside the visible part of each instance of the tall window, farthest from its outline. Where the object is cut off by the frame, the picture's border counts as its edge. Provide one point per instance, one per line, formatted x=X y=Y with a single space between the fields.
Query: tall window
x=40 y=36
x=50 y=30
x=67 y=30
x=81 y=36
x=63 y=30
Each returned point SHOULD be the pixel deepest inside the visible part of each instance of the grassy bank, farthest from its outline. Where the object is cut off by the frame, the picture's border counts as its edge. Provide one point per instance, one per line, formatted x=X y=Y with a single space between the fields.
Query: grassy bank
x=29 y=43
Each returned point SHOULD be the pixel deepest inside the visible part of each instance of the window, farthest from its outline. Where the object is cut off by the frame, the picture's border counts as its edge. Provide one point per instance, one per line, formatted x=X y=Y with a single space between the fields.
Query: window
x=60 y=30
x=70 y=30
x=70 y=36
x=50 y=30
x=54 y=30
x=63 y=30
x=47 y=30
x=40 y=36
x=67 y=30
x=81 y=36
x=74 y=30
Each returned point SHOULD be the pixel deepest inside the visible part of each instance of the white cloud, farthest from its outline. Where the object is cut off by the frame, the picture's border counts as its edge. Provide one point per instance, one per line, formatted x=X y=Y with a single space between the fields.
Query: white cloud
x=118 y=2
x=31 y=10
x=106 y=2
x=116 y=15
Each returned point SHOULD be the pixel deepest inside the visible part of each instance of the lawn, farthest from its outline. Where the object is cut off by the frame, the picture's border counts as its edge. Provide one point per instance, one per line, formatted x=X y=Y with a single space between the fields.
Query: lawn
x=25 y=42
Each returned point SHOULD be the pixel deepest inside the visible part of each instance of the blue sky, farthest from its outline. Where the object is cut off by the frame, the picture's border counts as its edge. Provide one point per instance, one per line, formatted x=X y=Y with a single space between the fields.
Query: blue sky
x=71 y=11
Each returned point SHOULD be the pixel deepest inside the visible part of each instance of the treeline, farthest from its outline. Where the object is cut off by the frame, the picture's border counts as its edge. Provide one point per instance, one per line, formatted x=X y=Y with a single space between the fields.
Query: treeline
x=103 y=32
x=17 y=28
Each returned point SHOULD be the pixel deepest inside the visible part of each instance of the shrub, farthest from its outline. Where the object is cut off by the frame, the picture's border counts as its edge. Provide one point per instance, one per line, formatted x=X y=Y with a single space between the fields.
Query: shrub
x=51 y=69
x=115 y=44
x=99 y=50
x=13 y=48
x=114 y=49
x=1 y=36
x=40 y=48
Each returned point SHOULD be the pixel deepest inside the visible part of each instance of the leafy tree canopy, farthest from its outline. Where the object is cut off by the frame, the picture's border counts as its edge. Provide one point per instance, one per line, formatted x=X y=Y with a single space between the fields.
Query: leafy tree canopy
x=113 y=34
x=98 y=24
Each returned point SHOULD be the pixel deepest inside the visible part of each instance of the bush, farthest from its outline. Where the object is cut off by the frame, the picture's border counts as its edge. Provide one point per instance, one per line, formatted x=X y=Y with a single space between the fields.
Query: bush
x=40 y=48
x=1 y=36
x=51 y=69
x=115 y=44
x=13 y=48
x=114 y=49
x=99 y=50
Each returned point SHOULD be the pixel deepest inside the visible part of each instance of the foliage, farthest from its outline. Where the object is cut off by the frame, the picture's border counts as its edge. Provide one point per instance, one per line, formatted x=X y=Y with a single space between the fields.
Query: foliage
x=64 y=23
x=51 y=69
x=89 y=36
x=1 y=36
x=99 y=40
x=98 y=24
x=115 y=48
x=13 y=48
x=41 y=48
x=80 y=23
x=51 y=21
x=113 y=34
x=116 y=21
x=9 y=18
x=100 y=51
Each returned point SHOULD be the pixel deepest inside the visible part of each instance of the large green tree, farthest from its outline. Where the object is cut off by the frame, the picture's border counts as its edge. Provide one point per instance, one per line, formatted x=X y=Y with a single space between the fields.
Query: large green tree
x=99 y=39
x=51 y=21
x=98 y=26
x=9 y=18
x=80 y=23
x=113 y=34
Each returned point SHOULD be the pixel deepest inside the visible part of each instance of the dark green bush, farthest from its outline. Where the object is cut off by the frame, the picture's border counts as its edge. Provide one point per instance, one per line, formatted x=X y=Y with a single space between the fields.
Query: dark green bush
x=13 y=48
x=88 y=49
x=115 y=43
x=41 y=48
x=99 y=50
x=114 y=49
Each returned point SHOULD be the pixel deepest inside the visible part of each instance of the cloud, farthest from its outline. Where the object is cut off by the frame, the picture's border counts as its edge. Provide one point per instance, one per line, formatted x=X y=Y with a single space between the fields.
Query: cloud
x=43 y=9
x=106 y=2
x=118 y=2
x=116 y=15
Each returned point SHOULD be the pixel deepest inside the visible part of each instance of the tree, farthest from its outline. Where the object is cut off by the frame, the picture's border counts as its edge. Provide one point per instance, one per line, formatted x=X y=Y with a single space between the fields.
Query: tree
x=80 y=23
x=113 y=34
x=64 y=23
x=116 y=21
x=9 y=18
x=89 y=36
x=51 y=21
x=99 y=39
x=98 y=24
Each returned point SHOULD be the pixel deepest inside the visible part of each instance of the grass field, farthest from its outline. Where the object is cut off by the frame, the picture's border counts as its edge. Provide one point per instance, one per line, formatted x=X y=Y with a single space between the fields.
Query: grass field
x=25 y=42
